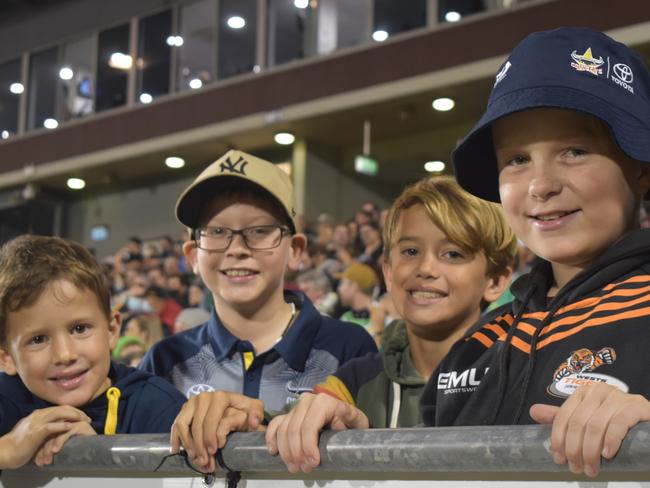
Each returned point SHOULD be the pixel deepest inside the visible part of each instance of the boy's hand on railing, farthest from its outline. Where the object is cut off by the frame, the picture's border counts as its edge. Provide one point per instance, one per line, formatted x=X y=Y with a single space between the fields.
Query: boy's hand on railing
x=591 y=423
x=53 y=445
x=295 y=435
x=31 y=433
x=205 y=421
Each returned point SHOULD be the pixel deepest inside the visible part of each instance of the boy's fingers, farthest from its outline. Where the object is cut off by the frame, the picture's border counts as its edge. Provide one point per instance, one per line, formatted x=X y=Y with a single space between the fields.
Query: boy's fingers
x=233 y=420
x=560 y=423
x=543 y=414
x=350 y=417
x=197 y=429
x=271 y=434
x=179 y=434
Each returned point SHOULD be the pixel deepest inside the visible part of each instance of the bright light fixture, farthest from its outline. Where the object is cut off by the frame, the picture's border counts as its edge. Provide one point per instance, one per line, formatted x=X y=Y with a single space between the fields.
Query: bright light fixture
x=4 y=134
x=174 y=162
x=452 y=16
x=301 y=3
x=175 y=41
x=434 y=166
x=146 y=98
x=66 y=73
x=76 y=183
x=236 y=22
x=50 y=123
x=120 y=61
x=16 y=88
x=284 y=138
x=443 y=104
x=380 y=35
x=195 y=83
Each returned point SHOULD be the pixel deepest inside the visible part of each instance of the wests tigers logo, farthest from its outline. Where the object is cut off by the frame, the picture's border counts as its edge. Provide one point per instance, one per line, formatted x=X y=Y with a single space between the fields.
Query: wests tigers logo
x=576 y=371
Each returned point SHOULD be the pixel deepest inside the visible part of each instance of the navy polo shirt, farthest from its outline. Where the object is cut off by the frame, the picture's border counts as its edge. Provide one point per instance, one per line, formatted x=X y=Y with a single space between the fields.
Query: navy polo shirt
x=210 y=358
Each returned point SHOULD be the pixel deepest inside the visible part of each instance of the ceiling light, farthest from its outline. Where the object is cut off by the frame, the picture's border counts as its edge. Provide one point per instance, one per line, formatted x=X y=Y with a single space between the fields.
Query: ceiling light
x=145 y=98
x=301 y=3
x=120 y=61
x=236 y=22
x=76 y=183
x=434 y=166
x=380 y=35
x=50 y=123
x=443 y=104
x=284 y=138
x=174 y=162
x=16 y=88
x=452 y=16
x=195 y=83
x=176 y=41
x=66 y=73
x=4 y=134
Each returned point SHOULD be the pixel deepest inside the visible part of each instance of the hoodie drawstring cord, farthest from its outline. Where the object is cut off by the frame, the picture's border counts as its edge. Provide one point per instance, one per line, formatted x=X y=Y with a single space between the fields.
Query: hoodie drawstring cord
x=113 y=395
x=397 y=404
x=504 y=355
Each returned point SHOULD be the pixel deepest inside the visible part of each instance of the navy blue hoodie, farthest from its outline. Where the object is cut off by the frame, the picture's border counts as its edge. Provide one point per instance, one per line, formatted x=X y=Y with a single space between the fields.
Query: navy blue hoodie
x=147 y=404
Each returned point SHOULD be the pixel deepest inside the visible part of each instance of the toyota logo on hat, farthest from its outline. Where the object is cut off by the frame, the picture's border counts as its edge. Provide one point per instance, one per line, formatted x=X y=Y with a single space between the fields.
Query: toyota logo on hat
x=623 y=72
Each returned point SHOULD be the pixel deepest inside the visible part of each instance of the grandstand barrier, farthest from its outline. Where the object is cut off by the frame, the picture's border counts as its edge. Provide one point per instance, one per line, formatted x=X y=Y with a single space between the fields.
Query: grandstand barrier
x=497 y=456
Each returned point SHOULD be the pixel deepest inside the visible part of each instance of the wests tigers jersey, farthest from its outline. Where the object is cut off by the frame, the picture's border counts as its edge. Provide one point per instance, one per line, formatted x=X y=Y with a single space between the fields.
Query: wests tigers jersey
x=540 y=350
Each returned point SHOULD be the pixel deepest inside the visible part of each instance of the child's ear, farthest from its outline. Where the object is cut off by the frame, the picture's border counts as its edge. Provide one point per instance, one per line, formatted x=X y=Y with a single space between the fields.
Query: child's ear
x=189 y=251
x=7 y=362
x=114 y=327
x=298 y=245
x=496 y=285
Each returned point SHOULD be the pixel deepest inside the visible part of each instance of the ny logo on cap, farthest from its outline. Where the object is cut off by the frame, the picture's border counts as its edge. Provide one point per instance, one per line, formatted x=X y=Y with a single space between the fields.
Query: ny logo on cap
x=236 y=167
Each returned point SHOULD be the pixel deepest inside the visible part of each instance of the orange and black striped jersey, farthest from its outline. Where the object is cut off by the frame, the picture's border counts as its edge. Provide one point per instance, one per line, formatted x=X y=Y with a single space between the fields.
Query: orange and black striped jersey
x=540 y=350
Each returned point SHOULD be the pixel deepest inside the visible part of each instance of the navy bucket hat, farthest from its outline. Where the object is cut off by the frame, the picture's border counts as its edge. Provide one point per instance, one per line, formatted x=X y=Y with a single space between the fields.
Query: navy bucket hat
x=571 y=68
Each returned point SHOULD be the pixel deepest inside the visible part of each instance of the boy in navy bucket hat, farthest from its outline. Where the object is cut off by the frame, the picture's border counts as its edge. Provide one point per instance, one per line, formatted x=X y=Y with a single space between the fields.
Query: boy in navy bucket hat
x=564 y=145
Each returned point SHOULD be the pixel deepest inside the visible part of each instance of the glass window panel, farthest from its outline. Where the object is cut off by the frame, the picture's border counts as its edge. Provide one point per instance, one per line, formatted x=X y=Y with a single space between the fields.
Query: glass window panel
x=113 y=64
x=342 y=23
x=43 y=74
x=154 y=45
x=76 y=79
x=196 y=55
x=454 y=10
x=236 y=44
x=288 y=30
x=393 y=17
x=10 y=89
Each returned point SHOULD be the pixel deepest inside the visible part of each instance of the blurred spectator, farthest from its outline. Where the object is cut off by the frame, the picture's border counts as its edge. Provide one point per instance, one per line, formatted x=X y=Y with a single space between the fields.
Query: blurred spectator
x=130 y=256
x=371 y=210
x=146 y=327
x=157 y=276
x=356 y=289
x=167 y=247
x=318 y=288
x=382 y=313
x=163 y=306
x=373 y=248
x=179 y=290
x=129 y=350
x=189 y=318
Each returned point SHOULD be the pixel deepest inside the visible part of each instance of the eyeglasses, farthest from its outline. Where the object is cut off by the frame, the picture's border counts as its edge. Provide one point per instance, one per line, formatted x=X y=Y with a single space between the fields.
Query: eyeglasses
x=258 y=238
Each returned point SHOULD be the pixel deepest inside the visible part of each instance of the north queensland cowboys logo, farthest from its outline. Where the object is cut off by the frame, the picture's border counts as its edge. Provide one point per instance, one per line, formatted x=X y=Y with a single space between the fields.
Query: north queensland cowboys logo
x=587 y=62
x=198 y=389
x=576 y=371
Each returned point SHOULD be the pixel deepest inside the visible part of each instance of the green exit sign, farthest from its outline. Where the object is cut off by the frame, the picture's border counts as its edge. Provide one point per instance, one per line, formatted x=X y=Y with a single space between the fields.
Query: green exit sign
x=366 y=165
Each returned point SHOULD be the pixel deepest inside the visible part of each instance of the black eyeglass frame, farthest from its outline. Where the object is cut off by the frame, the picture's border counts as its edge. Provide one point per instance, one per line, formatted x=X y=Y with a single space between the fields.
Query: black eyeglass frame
x=284 y=231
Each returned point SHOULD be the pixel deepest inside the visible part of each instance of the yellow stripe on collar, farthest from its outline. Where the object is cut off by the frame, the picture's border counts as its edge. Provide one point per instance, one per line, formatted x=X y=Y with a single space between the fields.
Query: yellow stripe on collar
x=248 y=359
x=113 y=395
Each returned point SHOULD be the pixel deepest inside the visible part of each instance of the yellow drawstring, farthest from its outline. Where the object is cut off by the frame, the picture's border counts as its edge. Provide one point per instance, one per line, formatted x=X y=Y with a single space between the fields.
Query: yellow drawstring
x=113 y=394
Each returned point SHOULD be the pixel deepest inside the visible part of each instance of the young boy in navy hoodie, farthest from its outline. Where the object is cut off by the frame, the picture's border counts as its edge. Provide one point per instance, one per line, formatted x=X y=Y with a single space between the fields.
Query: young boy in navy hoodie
x=56 y=335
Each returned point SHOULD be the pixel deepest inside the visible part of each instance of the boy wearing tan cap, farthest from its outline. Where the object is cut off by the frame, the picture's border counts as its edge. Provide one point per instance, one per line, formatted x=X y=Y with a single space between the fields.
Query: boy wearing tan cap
x=356 y=288
x=261 y=341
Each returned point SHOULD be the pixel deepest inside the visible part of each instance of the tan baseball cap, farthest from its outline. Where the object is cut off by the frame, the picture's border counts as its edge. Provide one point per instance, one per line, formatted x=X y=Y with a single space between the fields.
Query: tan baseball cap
x=361 y=274
x=235 y=164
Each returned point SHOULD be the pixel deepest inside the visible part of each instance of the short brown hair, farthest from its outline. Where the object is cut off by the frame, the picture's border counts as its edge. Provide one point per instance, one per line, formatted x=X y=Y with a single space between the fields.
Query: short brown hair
x=473 y=224
x=28 y=264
